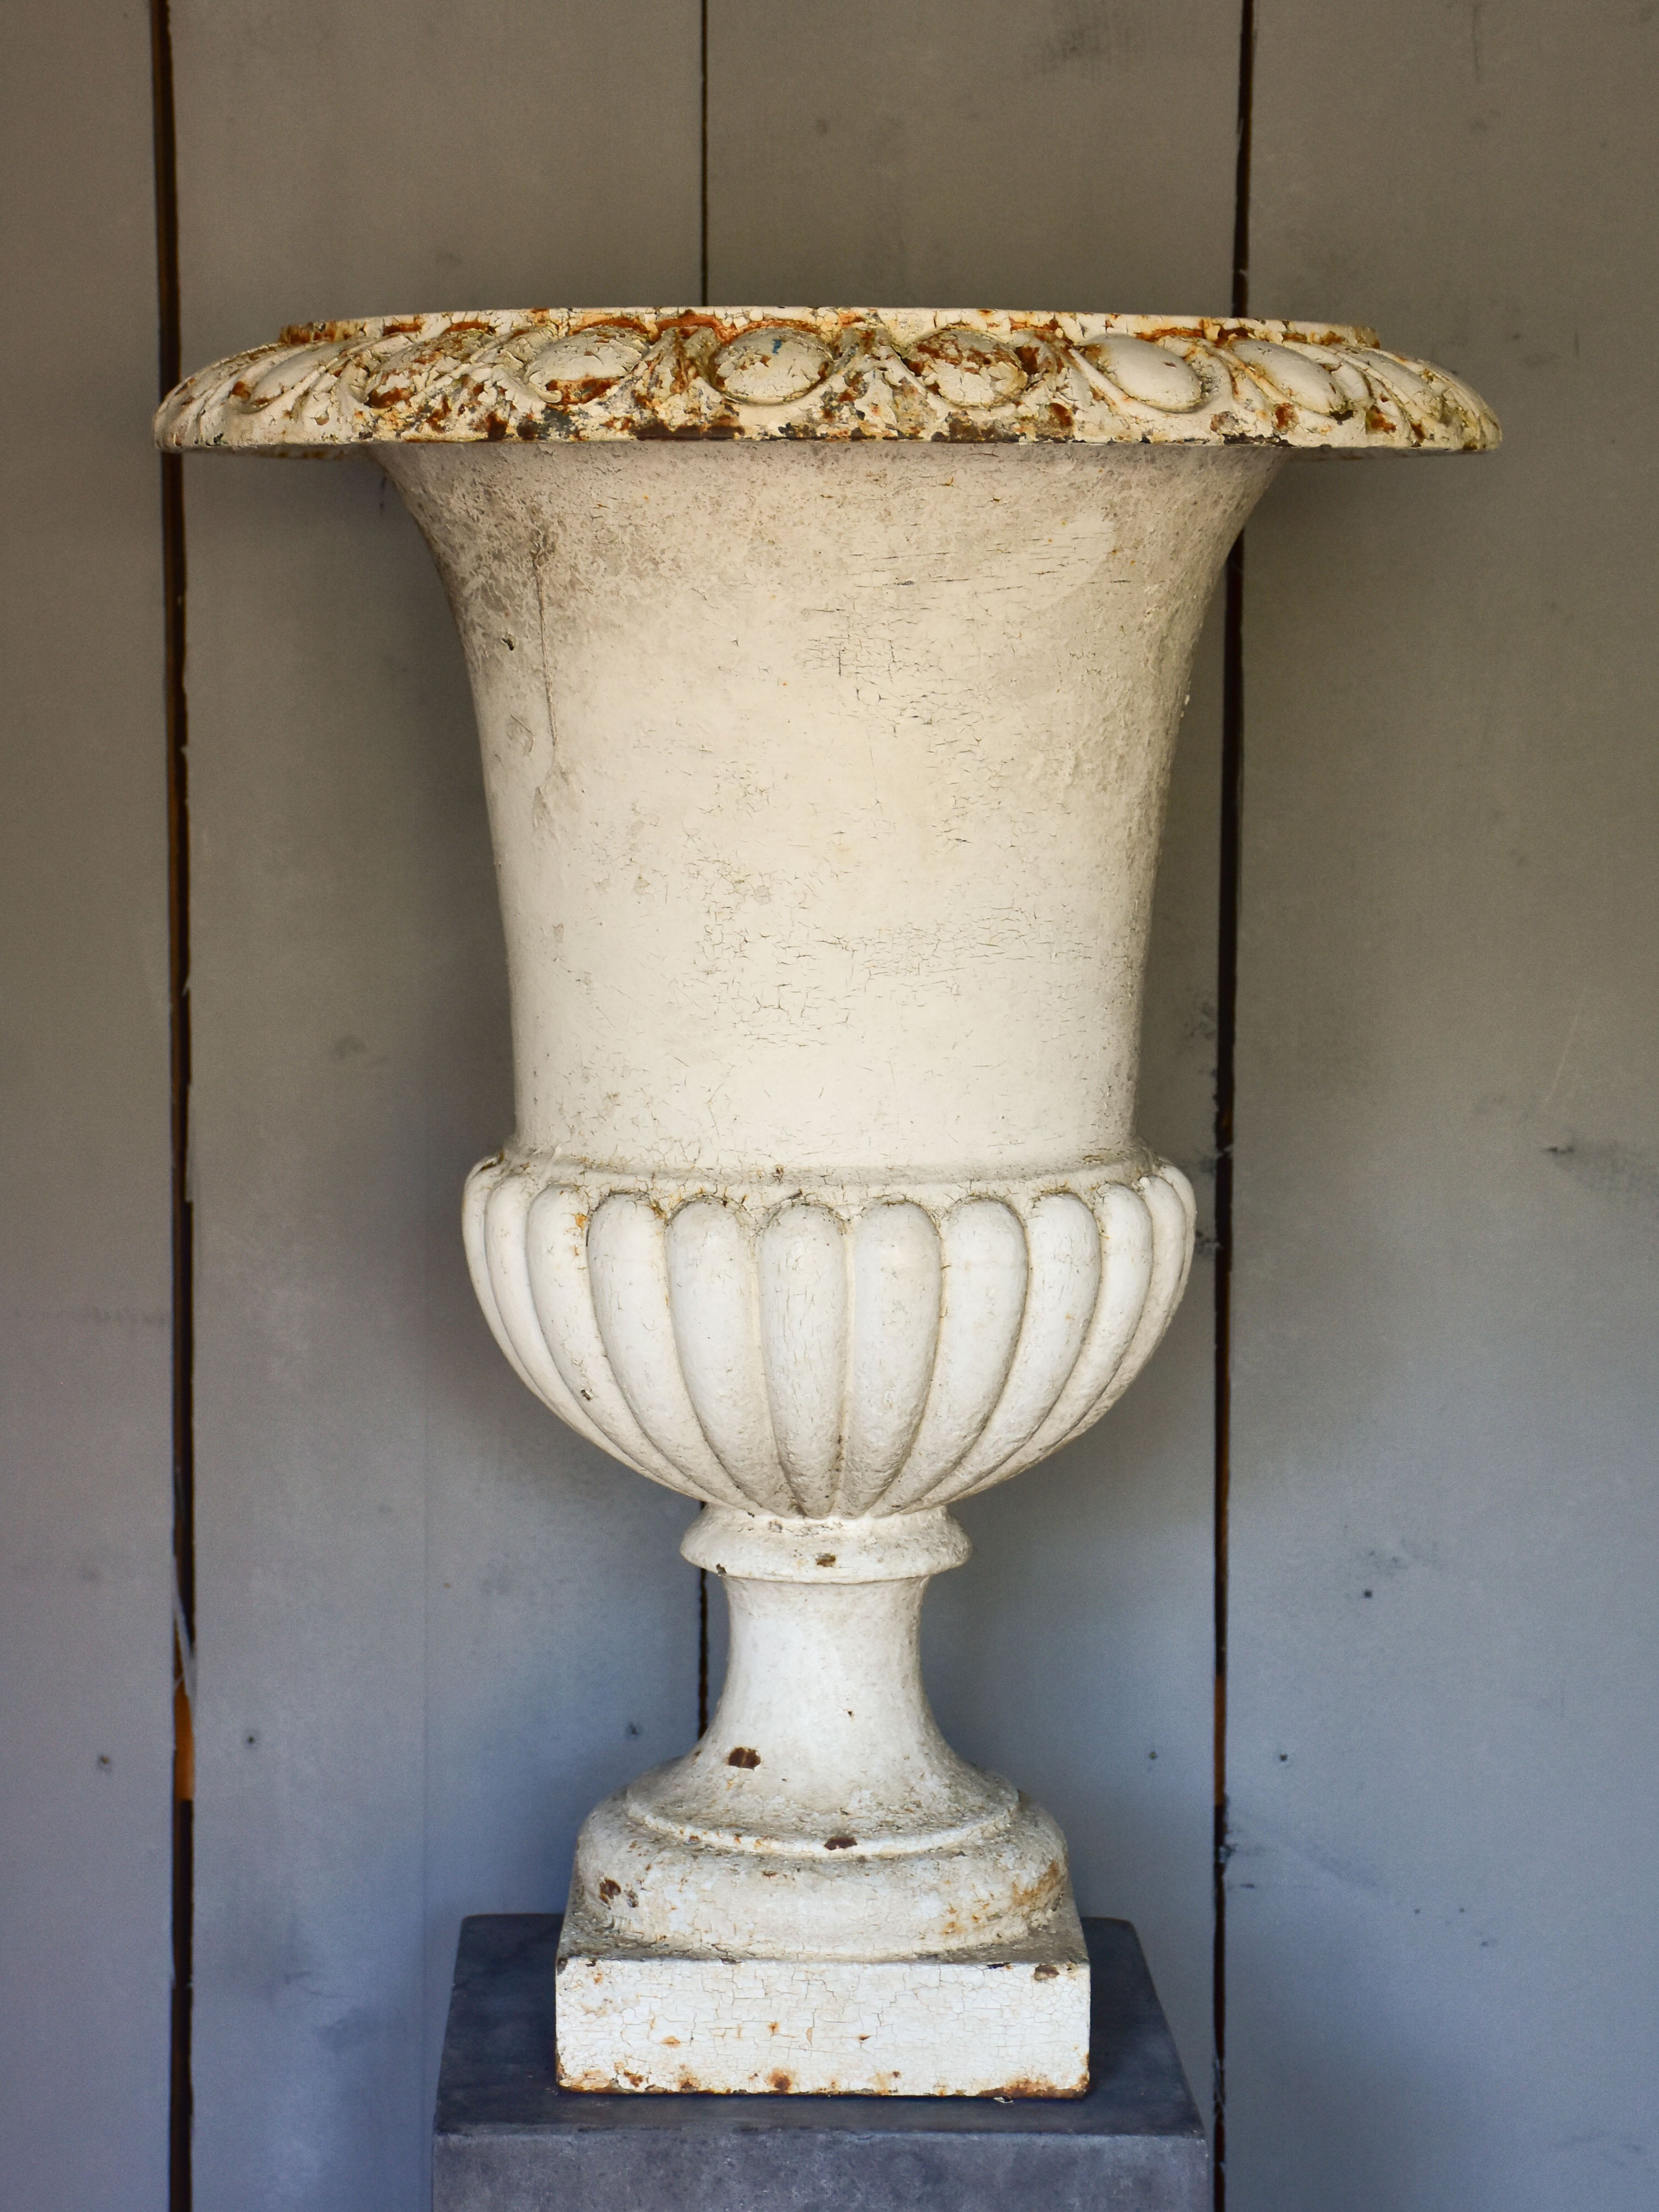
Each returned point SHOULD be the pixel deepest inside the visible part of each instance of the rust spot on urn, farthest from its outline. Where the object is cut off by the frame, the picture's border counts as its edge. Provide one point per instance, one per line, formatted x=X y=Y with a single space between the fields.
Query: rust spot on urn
x=1024 y=2087
x=742 y=1756
x=841 y=1843
x=1048 y=1885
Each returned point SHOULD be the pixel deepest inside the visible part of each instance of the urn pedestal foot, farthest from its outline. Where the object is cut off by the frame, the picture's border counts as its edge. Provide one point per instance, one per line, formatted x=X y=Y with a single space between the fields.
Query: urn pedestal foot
x=823 y=1898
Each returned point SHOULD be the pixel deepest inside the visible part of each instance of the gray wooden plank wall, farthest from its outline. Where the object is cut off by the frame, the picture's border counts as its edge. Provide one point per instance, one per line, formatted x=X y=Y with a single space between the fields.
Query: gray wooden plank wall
x=1444 y=1985
x=433 y=1626
x=85 y=1506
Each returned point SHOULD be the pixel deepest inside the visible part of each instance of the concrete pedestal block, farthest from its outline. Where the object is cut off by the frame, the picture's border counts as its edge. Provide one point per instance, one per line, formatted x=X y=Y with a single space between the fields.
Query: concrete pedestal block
x=508 y=2139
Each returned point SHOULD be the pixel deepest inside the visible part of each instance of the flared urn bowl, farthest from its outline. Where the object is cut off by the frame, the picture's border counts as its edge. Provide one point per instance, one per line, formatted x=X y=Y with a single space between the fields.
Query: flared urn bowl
x=828 y=667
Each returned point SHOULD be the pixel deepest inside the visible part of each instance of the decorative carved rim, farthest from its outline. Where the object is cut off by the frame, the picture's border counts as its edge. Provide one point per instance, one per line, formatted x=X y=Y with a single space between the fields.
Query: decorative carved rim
x=605 y=374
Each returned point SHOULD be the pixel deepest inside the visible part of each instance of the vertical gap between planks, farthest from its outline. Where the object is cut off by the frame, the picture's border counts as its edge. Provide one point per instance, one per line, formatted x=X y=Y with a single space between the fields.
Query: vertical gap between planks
x=702 y=175
x=703 y=283
x=168 y=345
x=1232 y=806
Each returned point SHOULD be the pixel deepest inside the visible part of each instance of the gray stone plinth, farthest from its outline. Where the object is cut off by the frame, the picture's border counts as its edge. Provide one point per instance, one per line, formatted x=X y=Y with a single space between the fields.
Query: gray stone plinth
x=506 y=2139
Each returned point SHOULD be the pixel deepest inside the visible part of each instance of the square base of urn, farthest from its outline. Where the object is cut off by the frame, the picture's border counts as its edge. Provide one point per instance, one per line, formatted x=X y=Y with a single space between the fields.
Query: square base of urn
x=1011 y=2022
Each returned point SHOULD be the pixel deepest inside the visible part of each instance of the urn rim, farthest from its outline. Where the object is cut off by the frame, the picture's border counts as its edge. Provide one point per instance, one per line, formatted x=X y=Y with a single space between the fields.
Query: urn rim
x=833 y=375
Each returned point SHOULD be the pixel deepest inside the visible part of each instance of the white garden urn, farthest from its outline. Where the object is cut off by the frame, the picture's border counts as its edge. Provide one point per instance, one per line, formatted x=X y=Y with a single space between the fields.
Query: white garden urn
x=827 y=666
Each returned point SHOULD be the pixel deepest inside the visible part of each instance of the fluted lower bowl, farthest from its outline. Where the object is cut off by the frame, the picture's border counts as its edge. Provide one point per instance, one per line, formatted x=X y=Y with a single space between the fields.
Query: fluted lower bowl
x=828 y=1351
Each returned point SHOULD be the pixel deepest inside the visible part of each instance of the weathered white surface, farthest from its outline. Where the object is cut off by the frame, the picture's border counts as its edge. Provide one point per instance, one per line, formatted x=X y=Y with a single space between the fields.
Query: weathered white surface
x=86 y=1568
x=1002 y=2026
x=825 y=783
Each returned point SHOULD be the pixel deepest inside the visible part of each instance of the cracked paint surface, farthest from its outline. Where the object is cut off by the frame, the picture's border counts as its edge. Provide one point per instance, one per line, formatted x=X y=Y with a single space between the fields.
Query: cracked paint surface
x=913 y=2029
